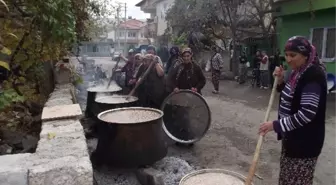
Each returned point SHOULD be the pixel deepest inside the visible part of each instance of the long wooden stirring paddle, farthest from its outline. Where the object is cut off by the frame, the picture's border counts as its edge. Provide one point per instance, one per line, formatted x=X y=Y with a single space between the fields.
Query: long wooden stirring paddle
x=113 y=71
x=260 y=140
x=141 y=79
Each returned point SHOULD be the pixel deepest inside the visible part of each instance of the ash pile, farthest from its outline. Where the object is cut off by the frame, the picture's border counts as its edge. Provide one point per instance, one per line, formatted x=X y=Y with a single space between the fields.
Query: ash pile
x=168 y=171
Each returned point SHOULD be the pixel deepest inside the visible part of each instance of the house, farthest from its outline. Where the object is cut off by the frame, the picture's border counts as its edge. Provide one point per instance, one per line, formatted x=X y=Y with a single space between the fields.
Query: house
x=129 y=34
x=311 y=18
x=157 y=9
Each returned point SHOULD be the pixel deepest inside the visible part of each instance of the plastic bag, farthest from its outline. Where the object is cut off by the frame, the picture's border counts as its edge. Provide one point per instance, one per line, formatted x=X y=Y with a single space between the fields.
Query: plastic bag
x=208 y=66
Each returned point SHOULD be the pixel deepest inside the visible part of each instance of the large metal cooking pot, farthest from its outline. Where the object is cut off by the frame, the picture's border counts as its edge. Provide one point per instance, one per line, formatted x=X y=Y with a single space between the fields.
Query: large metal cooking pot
x=91 y=97
x=112 y=102
x=134 y=144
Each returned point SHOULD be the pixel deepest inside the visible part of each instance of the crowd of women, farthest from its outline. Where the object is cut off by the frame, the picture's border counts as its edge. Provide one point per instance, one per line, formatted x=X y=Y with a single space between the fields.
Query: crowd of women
x=180 y=72
x=302 y=106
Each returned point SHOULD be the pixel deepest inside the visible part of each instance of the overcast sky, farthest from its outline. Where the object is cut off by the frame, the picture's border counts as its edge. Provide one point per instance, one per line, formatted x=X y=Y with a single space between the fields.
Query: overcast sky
x=134 y=11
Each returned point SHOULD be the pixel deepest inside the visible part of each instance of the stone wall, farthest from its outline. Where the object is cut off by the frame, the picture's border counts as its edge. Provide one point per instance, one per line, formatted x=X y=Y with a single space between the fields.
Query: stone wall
x=61 y=157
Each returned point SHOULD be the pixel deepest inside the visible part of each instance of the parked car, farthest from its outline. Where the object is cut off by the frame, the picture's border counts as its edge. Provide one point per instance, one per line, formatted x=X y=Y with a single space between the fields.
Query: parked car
x=116 y=55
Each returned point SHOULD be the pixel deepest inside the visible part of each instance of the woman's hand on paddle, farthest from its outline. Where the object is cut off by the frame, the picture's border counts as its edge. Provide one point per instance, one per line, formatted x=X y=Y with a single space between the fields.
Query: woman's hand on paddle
x=279 y=72
x=265 y=128
x=194 y=89
x=132 y=81
x=176 y=90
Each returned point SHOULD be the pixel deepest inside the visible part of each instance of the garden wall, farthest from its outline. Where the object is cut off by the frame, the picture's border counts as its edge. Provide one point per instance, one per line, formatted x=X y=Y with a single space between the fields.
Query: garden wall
x=61 y=157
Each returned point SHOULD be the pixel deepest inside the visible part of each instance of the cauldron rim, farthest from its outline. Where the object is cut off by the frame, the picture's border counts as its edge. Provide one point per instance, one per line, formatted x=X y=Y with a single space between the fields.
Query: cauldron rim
x=129 y=108
x=170 y=135
x=101 y=102
x=104 y=90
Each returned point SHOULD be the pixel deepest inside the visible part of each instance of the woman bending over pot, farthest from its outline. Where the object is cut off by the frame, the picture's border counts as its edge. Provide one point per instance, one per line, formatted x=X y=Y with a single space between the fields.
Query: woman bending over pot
x=187 y=74
x=301 y=121
x=151 y=91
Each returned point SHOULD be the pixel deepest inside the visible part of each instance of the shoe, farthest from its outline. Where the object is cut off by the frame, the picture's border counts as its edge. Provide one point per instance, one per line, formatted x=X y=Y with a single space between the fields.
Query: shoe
x=215 y=92
x=265 y=87
x=261 y=87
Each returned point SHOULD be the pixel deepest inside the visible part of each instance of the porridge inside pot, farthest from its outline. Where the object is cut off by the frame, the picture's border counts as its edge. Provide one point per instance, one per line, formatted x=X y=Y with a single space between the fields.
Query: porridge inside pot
x=213 y=179
x=130 y=116
x=103 y=88
x=116 y=99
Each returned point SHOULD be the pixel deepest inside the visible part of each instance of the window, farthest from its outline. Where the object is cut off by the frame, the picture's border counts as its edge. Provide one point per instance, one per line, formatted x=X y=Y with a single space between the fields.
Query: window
x=121 y=34
x=324 y=41
x=142 y=35
x=131 y=34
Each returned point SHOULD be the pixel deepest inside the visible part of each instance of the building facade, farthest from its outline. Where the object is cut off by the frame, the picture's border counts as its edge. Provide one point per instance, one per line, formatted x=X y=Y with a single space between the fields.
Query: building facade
x=314 y=20
x=157 y=9
x=129 y=34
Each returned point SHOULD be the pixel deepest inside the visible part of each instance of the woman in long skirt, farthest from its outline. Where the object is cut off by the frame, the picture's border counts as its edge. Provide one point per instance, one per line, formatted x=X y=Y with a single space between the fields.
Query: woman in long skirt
x=301 y=121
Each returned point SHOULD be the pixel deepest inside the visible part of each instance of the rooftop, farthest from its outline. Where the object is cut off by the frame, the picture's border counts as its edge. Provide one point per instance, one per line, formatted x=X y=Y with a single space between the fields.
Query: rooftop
x=132 y=24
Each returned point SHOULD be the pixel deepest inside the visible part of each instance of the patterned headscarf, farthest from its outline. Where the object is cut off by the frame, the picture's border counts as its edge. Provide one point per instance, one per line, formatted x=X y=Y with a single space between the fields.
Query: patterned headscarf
x=301 y=45
x=138 y=55
x=186 y=50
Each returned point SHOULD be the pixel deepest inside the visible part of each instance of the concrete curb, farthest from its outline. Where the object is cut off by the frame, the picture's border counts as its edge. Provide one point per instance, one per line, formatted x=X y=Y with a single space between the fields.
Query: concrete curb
x=59 y=160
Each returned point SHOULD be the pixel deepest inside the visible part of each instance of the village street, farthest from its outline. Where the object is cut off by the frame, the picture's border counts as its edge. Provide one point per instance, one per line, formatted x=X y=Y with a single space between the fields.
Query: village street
x=230 y=143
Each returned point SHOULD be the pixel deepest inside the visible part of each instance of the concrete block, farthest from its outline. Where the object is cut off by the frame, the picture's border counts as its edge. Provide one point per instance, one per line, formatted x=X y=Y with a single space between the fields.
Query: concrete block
x=60 y=96
x=149 y=176
x=71 y=127
x=63 y=86
x=8 y=162
x=14 y=176
x=69 y=111
x=66 y=144
x=58 y=101
x=62 y=171
x=63 y=122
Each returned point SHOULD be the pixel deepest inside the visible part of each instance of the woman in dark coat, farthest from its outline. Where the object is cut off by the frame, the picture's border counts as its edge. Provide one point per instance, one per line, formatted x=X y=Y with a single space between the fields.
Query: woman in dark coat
x=152 y=89
x=174 y=55
x=187 y=74
x=301 y=121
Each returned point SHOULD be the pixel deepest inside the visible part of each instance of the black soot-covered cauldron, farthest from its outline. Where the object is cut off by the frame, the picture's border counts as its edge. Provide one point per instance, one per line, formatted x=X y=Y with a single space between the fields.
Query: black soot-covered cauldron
x=130 y=144
x=91 y=98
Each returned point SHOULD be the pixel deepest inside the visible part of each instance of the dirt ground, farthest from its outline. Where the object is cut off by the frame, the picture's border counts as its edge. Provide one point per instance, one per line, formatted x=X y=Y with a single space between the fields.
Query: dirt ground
x=231 y=140
x=230 y=143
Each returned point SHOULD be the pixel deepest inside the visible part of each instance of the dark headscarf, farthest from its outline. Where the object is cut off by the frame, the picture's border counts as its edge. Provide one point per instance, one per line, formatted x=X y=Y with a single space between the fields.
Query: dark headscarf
x=174 y=51
x=301 y=45
x=151 y=47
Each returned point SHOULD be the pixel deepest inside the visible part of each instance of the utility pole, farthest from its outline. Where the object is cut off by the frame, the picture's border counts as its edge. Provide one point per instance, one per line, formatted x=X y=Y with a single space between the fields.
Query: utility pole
x=118 y=27
x=125 y=28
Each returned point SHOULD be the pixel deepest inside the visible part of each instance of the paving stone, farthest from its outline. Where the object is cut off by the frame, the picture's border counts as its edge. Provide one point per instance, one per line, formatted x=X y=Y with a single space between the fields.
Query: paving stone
x=62 y=171
x=61 y=111
x=14 y=176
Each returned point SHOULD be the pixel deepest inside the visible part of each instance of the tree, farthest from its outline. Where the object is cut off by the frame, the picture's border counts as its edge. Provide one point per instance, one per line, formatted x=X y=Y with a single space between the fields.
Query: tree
x=220 y=19
x=35 y=31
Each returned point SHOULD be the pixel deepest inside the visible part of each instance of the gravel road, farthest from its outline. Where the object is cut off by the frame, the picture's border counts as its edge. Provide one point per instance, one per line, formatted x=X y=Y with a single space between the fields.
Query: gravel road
x=230 y=143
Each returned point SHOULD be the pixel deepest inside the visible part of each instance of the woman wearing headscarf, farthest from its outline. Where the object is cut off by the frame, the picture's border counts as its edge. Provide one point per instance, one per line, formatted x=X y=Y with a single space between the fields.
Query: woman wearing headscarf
x=128 y=69
x=301 y=121
x=152 y=50
x=151 y=91
x=174 y=55
x=187 y=74
x=216 y=61
x=138 y=59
